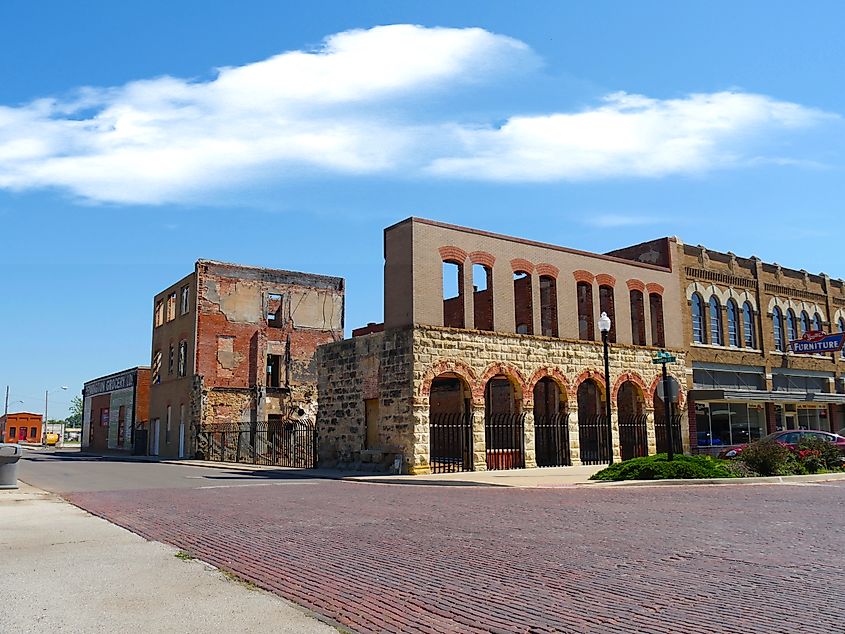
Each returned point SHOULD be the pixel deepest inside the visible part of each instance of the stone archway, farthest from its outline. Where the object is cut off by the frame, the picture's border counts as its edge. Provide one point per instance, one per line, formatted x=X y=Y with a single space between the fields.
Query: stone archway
x=551 y=424
x=450 y=424
x=504 y=423
x=661 y=430
x=593 y=431
x=633 y=421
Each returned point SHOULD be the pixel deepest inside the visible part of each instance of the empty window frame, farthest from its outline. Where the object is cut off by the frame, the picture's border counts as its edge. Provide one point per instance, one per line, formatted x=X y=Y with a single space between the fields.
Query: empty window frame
x=167 y=426
x=171 y=306
x=185 y=301
x=699 y=332
x=453 y=294
x=607 y=305
x=183 y=358
x=778 y=327
x=171 y=359
x=276 y=310
x=586 y=328
x=522 y=303
x=637 y=317
x=548 y=306
x=658 y=330
x=158 y=313
x=749 y=339
x=482 y=297
x=717 y=337
x=791 y=327
x=274 y=367
x=733 y=324
x=156 y=369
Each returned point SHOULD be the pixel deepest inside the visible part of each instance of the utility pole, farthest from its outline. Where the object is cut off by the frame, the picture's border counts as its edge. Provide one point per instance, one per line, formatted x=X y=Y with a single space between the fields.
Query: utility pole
x=5 y=417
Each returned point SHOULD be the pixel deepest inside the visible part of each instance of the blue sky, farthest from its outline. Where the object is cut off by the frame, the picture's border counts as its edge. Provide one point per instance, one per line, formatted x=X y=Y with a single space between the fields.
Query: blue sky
x=137 y=137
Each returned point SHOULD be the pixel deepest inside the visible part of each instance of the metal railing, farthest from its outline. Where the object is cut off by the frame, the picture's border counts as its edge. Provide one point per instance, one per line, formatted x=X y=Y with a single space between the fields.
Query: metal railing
x=282 y=444
x=450 y=442
x=633 y=436
x=551 y=440
x=661 y=436
x=505 y=441
x=594 y=439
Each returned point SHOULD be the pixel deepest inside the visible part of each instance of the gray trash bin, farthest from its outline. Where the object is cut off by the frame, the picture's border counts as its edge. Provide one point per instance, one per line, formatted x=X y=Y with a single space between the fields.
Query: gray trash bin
x=10 y=454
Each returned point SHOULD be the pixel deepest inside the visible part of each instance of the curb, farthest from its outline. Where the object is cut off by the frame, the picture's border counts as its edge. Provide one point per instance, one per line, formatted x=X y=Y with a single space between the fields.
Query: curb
x=812 y=477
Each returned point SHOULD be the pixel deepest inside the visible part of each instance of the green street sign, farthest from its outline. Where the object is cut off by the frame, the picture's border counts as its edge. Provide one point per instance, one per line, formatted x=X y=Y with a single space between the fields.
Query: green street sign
x=663 y=357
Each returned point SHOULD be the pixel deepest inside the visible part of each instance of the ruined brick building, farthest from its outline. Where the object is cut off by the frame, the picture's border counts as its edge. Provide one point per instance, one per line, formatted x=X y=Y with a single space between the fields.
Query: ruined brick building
x=490 y=355
x=232 y=348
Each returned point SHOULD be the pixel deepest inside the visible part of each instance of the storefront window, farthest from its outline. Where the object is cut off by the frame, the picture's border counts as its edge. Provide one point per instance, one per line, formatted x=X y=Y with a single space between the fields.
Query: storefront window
x=730 y=423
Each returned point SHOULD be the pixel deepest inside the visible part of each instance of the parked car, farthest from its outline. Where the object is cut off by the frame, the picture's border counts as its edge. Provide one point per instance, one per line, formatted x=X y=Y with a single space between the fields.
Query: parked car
x=790 y=438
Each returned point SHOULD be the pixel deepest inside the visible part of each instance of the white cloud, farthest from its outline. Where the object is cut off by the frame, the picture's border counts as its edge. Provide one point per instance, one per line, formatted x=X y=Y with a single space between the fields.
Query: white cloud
x=629 y=135
x=348 y=107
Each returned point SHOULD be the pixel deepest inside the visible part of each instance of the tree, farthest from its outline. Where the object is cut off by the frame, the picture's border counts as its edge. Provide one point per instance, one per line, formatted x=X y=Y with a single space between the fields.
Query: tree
x=75 y=418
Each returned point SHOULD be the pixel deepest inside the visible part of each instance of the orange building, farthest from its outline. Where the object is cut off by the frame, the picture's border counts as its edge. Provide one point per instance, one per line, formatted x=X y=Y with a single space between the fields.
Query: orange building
x=21 y=427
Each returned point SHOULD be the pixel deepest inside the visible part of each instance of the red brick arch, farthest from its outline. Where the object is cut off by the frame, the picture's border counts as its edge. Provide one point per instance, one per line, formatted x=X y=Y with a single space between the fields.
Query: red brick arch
x=518 y=264
x=514 y=375
x=636 y=379
x=548 y=269
x=555 y=375
x=583 y=276
x=453 y=254
x=482 y=257
x=653 y=388
x=653 y=287
x=636 y=285
x=448 y=366
x=586 y=375
x=603 y=279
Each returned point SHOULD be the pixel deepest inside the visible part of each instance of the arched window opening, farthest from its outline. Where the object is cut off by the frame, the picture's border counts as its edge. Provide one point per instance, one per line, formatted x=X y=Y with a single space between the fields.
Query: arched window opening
x=450 y=425
x=658 y=332
x=805 y=322
x=791 y=327
x=699 y=333
x=633 y=435
x=817 y=322
x=586 y=329
x=716 y=335
x=551 y=424
x=482 y=296
x=637 y=318
x=748 y=326
x=453 y=294
x=733 y=324
x=548 y=306
x=675 y=414
x=592 y=424
x=607 y=305
x=503 y=425
x=523 y=309
x=777 y=324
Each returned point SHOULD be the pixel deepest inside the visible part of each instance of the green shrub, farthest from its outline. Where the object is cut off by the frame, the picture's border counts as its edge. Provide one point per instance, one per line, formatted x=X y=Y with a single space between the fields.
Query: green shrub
x=659 y=468
x=818 y=454
x=768 y=457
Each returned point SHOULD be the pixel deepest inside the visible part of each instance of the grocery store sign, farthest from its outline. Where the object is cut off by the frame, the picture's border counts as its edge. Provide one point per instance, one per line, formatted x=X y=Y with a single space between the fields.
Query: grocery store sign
x=818 y=342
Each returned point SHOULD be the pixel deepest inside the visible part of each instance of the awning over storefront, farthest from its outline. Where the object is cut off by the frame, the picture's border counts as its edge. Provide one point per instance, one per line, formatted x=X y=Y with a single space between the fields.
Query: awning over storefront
x=765 y=397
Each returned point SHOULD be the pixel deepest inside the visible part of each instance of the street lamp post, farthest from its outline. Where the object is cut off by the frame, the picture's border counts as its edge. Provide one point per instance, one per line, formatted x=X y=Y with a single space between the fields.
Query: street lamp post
x=44 y=427
x=604 y=327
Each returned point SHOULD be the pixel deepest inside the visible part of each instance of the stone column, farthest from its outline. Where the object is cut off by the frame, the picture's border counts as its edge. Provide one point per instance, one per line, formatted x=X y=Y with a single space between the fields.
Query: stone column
x=479 y=440
x=574 y=439
x=417 y=461
x=651 y=434
x=528 y=436
x=614 y=436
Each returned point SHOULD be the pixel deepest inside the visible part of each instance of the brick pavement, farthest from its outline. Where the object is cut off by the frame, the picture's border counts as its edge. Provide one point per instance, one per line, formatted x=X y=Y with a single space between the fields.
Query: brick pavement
x=382 y=558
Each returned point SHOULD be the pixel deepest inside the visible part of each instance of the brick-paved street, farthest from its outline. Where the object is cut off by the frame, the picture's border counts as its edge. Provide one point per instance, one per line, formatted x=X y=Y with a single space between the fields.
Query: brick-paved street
x=400 y=558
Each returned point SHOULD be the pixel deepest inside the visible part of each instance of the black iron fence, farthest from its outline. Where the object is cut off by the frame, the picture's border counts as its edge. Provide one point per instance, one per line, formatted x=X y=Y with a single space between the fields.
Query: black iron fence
x=505 y=441
x=594 y=438
x=282 y=444
x=450 y=442
x=551 y=440
x=633 y=436
x=661 y=435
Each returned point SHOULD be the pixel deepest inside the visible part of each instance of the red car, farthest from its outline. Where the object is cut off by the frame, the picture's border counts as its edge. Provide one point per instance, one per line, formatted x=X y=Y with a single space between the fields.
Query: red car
x=790 y=438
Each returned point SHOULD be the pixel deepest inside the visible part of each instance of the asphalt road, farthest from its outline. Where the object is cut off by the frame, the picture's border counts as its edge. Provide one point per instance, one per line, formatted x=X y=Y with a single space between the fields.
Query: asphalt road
x=388 y=558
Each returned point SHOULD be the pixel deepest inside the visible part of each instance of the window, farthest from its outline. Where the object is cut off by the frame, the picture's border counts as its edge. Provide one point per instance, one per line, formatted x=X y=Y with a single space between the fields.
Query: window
x=33 y=432
x=791 y=329
x=817 y=322
x=171 y=355
x=586 y=329
x=658 y=333
x=637 y=318
x=274 y=365
x=185 y=299
x=607 y=305
x=156 y=370
x=805 y=322
x=777 y=323
x=733 y=324
x=453 y=295
x=104 y=417
x=158 y=313
x=548 y=306
x=722 y=424
x=482 y=296
x=171 y=306
x=748 y=326
x=183 y=358
x=699 y=334
x=275 y=310
x=716 y=335
x=121 y=425
x=167 y=427
x=12 y=431
x=522 y=303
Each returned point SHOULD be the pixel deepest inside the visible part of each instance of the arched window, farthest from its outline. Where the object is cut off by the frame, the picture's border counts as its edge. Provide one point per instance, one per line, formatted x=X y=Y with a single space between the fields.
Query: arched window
x=637 y=318
x=586 y=330
x=658 y=334
x=748 y=325
x=699 y=335
x=607 y=305
x=817 y=322
x=522 y=303
x=482 y=296
x=716 y=336
x=777 y=323
x=453 y=294
x=805 y=322
x=548 y=306
x=733 y=324
x=791 y=328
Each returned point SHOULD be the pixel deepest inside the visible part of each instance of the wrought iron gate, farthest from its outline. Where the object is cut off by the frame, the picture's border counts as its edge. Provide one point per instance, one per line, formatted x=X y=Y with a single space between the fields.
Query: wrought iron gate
x=450 y=442
x=594 y=439
x=505 y=441
x=661 y=435
x=633 y=436
x=551 y=440
x=278 y=443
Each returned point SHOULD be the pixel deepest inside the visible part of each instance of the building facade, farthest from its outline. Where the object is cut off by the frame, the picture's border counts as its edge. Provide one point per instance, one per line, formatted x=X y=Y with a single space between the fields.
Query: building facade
x=115 y=408
x=490 y=356
x=739 y=316
x=21 y=427
x=234 y=345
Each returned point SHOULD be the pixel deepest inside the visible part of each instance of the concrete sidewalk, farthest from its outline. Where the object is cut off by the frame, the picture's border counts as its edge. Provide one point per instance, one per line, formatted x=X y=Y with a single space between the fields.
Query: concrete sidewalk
x=64 y=570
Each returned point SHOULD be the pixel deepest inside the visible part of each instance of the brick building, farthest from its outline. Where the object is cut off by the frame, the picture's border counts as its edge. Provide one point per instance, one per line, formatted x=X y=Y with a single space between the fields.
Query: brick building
x=21 y=427
x=490 y=355
x=234 y=345
x=114 y=408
